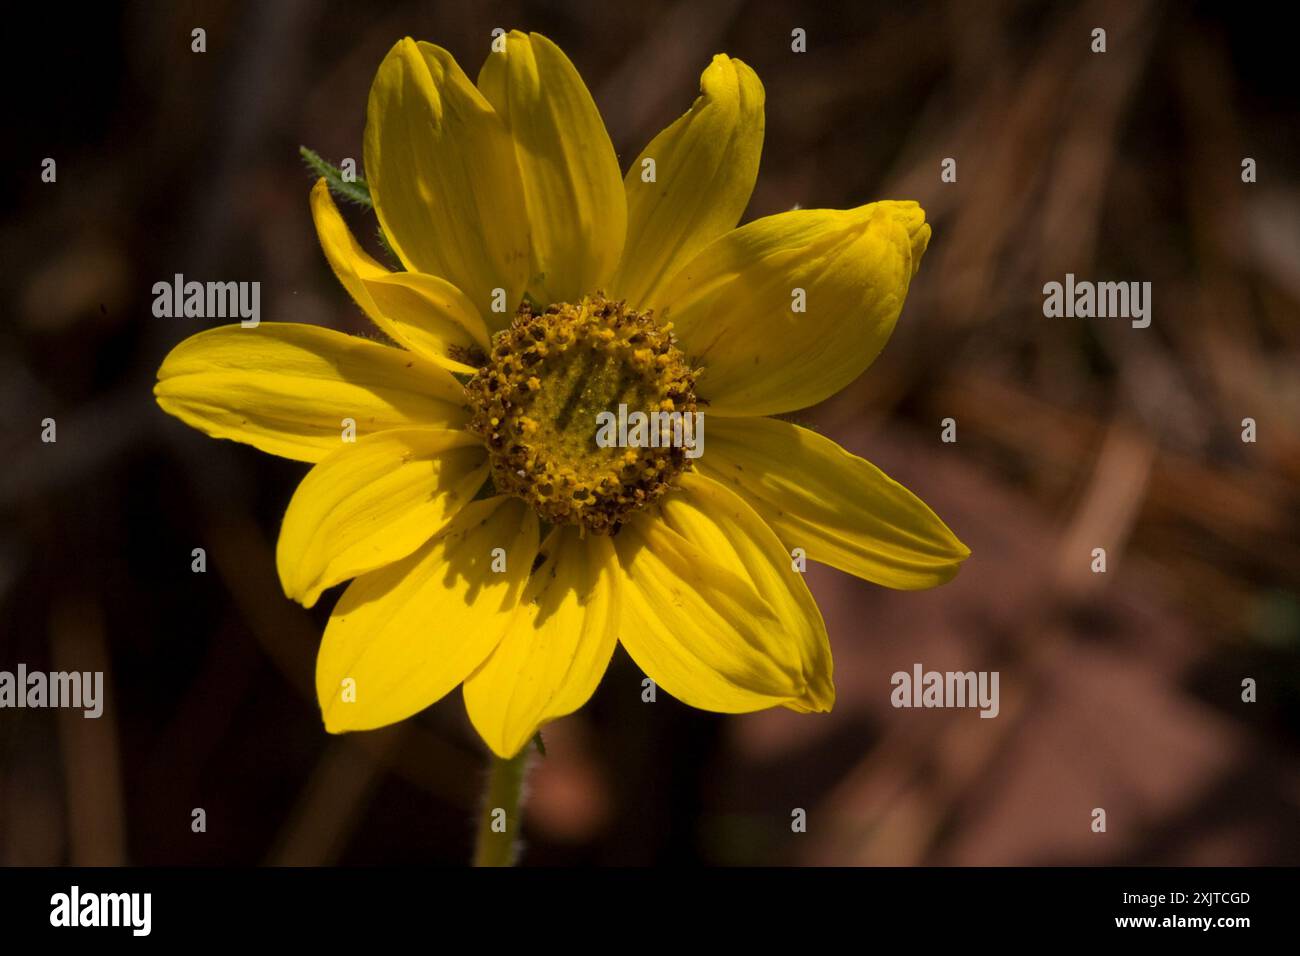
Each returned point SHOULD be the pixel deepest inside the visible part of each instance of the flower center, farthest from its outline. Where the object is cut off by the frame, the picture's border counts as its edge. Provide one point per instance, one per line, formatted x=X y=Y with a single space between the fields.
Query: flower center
x=549 y=382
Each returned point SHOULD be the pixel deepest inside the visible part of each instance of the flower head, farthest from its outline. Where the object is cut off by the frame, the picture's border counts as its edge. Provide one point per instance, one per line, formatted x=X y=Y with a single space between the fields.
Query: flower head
x=492 y=540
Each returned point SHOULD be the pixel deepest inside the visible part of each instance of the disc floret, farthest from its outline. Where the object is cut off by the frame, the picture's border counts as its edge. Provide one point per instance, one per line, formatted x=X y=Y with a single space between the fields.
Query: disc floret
x=537 y=399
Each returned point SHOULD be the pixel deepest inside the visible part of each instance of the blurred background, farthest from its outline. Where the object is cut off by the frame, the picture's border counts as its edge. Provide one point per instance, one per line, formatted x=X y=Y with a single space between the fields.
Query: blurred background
x=1119 y=690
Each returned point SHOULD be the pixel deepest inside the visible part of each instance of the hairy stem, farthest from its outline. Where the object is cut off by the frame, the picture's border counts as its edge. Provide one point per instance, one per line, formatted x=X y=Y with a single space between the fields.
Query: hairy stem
x=501 y=818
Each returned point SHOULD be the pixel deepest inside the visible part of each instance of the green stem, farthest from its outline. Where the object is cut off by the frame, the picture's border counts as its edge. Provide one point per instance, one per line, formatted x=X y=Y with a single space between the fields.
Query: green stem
x=496 y=846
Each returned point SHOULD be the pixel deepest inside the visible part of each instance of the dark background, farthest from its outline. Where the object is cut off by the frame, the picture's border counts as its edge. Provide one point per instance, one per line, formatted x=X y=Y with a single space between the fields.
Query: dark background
x=1119 y=691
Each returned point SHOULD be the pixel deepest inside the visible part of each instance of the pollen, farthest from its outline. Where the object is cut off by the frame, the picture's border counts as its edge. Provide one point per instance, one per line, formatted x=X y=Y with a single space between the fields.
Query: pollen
x=537 y=398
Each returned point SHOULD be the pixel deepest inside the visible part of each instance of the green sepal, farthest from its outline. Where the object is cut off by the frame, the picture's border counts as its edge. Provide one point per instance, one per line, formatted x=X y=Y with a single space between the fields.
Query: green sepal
x=357 y=191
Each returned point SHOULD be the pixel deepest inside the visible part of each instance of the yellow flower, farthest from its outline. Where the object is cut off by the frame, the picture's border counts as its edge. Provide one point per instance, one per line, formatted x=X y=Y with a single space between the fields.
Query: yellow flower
x=538 y=290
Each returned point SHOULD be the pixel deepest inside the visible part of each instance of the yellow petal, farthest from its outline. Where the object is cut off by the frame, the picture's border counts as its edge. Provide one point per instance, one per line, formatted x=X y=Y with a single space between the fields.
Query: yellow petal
x=428 y=315
x=842 y=510
x=556 y=648
x=409 y=633
x=286 y=388
x=373 y=503
x=734 y=306
x=576 y=208
x=713 y=611
x=443 y=177
x=705 y=165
